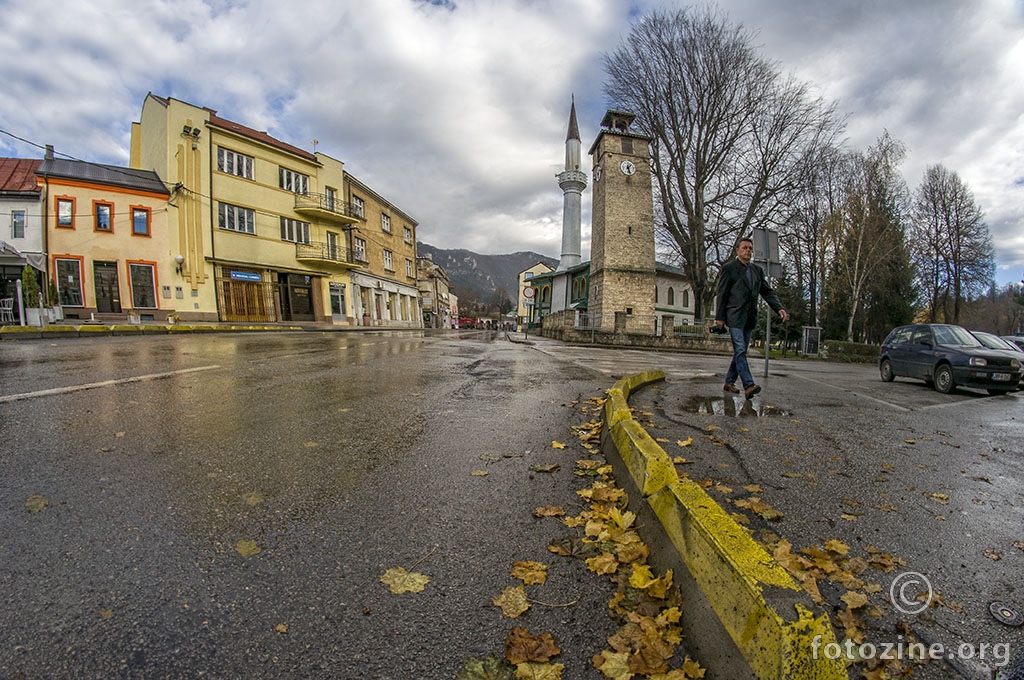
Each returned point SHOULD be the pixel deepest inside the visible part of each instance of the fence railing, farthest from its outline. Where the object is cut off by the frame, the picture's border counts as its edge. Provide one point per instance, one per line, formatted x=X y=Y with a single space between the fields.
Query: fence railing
x=619 y=322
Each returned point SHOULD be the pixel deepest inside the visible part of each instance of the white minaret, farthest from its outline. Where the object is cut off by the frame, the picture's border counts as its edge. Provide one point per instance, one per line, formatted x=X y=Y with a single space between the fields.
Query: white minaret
x=572 y=182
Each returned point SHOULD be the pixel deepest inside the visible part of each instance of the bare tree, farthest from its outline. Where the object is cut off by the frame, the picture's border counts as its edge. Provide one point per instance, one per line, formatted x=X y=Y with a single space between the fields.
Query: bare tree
x=871 y=230
x=728 y=132
x=810 y=235
x=954 y=252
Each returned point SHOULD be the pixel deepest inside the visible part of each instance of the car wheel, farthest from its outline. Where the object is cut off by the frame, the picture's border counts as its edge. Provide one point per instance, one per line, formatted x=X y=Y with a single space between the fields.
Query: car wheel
x=997 y=392
x=885 y=369
x=944 y=379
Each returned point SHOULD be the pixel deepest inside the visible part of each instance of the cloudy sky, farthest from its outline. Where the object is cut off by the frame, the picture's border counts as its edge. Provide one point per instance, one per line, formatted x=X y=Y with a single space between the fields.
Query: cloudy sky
x=456 y=110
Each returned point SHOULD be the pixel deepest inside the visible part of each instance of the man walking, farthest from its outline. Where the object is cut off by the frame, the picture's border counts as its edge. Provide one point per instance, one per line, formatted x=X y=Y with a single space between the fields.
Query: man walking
x=739 y=284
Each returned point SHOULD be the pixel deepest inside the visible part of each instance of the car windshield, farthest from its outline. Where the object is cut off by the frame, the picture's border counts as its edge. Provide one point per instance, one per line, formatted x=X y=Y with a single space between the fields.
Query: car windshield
x=994 y=342
x=955 y=335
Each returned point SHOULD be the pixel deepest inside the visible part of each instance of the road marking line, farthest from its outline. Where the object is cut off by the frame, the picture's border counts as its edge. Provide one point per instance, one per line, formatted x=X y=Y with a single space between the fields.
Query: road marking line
x=106 y=383
x=863 y=396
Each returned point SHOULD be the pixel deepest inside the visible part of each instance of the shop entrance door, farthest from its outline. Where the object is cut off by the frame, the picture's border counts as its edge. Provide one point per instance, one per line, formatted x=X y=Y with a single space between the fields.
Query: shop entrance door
x=108 y=297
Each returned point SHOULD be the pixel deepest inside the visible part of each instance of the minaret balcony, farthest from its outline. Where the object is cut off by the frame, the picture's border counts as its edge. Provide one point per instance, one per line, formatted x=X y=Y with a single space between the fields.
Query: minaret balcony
x=572 y=179
x=326 y=206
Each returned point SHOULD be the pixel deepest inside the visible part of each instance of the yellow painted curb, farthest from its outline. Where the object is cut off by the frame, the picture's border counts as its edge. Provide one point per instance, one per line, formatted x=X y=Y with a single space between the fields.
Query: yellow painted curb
x=770 y=619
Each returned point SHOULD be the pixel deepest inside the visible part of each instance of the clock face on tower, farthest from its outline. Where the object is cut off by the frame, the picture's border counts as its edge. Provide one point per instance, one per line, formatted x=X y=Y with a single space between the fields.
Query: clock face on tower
x=597 y=174
x=627 y=167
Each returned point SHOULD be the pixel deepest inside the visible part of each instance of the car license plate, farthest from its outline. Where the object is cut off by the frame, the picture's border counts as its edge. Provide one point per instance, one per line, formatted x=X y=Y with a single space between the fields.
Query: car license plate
x=1000 y=376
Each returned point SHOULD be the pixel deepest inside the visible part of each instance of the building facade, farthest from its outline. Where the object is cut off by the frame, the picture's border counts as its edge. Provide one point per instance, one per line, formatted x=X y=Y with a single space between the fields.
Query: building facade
x=527 y=295
x=106 y=239
x=21 y=227
x=259 y=228
x=435 y=295
x=383 y=242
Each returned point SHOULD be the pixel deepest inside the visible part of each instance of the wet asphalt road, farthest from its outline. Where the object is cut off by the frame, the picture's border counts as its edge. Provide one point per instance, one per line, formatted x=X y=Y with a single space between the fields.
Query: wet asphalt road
x=338 y=455
x=343 y=455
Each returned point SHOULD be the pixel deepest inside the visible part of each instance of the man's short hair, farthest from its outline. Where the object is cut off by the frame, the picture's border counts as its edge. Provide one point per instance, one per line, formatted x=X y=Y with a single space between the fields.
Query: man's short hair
x=745 y=238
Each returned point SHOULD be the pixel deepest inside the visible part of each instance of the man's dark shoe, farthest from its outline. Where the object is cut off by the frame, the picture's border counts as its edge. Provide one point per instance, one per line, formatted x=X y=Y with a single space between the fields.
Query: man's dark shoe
x=751 y=391
x=731 y=388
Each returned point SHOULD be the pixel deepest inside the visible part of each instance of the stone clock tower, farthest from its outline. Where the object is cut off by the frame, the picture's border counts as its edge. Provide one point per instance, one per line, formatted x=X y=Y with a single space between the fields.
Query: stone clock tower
x=622 y=229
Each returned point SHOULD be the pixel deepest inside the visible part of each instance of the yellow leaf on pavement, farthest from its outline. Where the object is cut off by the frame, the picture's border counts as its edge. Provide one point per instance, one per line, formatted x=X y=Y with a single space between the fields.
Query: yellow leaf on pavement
x=399 y=581
x=247 y=548
x=557 y=445
x=854 y=600
x=512 y=601
x=529 y=670
x=687 y=442
x=479 y=473
x=35 y=503
x=281 y=628
x=605 y=563
x=530 y=573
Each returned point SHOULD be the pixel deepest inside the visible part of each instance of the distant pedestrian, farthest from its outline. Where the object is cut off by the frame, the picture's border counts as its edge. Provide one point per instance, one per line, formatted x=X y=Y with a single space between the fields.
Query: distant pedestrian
x=739 y=284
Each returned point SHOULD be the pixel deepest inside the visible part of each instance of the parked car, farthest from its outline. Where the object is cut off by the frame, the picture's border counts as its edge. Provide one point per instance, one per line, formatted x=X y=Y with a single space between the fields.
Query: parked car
x=946 y=357
x=995 y=342
x=1015 y=340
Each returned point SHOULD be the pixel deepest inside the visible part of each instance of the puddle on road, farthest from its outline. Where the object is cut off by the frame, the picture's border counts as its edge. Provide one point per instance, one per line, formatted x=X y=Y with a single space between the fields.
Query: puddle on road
x=734 y=407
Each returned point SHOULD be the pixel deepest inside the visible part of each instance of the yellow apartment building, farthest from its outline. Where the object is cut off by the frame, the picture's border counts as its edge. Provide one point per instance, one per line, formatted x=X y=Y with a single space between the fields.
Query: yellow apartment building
x=384 y=291
x=526 y=298
x=107 y=239
x=259 y=228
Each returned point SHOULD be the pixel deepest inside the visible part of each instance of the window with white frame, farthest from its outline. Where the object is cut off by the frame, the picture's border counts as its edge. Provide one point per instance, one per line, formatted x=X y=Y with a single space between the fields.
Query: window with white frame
x=407 y=234
x=358 y=207
x=388 y=261
x=359 y=245
x=294 y=230
x=333 y=252
x=234 y=218
x=17 y=224
x=408 y=268
x=234 y=163
x=143 y=287
x=385 y=223
x=292 y=181
x=66 y=213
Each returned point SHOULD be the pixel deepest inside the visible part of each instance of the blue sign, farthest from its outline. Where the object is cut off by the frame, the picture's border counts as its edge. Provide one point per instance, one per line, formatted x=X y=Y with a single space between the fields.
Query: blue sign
x=245 y=276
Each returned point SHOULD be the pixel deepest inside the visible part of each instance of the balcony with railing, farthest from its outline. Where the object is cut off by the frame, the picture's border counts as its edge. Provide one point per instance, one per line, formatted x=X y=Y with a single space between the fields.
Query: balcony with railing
x=324 y=253
x=326 y=206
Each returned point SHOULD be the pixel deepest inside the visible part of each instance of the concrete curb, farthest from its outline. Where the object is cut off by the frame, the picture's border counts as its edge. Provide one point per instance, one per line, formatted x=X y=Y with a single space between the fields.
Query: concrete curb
x=771 y=621
x=94 y=330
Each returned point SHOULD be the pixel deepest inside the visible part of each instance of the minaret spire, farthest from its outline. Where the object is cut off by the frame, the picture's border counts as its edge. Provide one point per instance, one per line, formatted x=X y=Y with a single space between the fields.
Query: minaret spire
x=572 y=182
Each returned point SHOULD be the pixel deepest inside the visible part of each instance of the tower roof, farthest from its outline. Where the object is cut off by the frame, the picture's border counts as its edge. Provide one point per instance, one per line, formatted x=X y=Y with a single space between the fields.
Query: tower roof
x=574 y=129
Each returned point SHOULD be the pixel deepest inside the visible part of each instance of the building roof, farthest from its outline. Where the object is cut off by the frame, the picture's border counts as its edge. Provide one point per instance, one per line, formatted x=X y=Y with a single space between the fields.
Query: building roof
x=17 y=176
x=574 y=129
x=259 y=136
x=109 y=175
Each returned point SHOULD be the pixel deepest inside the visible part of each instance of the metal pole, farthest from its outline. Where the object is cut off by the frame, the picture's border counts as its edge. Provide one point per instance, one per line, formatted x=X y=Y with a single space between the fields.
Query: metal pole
x=767 y=341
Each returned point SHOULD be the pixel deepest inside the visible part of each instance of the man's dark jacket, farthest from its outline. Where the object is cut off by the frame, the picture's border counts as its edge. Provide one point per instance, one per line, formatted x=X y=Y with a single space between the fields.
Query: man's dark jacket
x=736 y=303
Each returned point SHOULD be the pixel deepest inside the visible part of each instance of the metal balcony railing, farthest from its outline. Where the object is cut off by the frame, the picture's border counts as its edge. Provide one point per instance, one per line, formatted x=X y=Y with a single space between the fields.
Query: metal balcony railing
x=323 y=252
x=327 y=204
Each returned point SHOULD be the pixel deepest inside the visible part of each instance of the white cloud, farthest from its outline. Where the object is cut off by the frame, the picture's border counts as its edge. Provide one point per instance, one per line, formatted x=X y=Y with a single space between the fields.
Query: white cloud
x=457 y=111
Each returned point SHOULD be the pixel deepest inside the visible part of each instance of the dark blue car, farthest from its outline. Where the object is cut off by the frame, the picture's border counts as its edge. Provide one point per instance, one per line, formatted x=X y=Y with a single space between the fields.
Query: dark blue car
x=947 y=357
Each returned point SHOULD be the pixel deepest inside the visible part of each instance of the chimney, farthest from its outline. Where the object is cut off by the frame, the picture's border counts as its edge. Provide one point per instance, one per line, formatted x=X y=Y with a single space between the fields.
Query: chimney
x=49 y=152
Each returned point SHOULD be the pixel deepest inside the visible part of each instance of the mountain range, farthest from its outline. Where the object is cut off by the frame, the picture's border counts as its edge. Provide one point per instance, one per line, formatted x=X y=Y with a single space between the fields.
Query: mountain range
x=476 y=276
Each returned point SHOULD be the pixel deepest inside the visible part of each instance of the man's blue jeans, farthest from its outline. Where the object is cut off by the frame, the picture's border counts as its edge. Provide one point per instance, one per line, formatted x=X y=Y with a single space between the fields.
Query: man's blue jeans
x=739 y=367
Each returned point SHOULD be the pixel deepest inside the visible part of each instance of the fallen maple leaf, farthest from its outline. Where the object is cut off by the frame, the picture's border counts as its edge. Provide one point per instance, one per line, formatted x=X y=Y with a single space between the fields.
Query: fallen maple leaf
x=557 y=445
x=539 y=671
x=399 y=581
x=512 y=601
x=837 y=546
x=855 y=600
x=614 y=665
x=530 y=573
x=693 y=669
x=479 y=473
x=247 y=548
x=605 y=563
x=521 y=646
x=687 y=442
x=35 y=503
x=549 y=511
x=490 y=668
x=281 y=628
